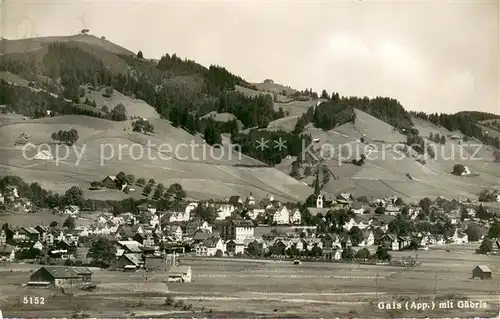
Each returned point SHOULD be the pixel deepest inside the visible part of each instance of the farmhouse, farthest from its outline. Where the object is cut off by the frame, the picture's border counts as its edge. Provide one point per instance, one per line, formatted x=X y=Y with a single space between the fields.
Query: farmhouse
x=109 y=182
x=482 y=272
x=61 y=276
x=43 y=155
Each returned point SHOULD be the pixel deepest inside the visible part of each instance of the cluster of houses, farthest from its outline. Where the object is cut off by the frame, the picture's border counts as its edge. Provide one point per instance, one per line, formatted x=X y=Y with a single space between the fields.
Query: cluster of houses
x=142 y=240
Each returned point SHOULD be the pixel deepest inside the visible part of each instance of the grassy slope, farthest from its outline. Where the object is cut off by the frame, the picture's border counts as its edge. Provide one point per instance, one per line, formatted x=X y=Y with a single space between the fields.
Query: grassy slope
x=209 y=178
x=134 y=107
x=386 y=175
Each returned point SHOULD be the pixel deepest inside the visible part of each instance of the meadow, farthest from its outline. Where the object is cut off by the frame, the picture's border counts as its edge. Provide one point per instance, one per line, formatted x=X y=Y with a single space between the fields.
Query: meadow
x=275 y=288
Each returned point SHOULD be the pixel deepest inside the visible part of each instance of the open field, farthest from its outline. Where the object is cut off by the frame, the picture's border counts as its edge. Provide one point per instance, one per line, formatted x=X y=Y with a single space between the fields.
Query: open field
x=311 y=290
x=172 y=155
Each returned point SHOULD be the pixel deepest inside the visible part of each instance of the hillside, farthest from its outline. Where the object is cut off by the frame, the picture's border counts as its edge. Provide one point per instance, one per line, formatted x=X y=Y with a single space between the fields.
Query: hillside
x=202 y=178
x=99 y=88
x=386 y=167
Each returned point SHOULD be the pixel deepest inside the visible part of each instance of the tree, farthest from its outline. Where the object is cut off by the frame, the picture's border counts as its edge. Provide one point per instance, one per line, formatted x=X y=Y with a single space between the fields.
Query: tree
x=143 y=126
x=69 y=223
x=473 y=232
x=458 y=169
x=382 y=253
x=356 y=235
x=482 y=213
x=175 y=190
x=380 y=210
x=74 y=196
x=147 y=190
x=140 y=55
x=486 y=246
x=102 y=251
x=119 y=113
x=494 y=231
x=496 y=155
x=53 y=224
x=324 y=95
x=140 y=181
x=316 y=251
x=442 y=140
x=203 y=213
x=363 y=253
x=160 y=189
x=348 y=253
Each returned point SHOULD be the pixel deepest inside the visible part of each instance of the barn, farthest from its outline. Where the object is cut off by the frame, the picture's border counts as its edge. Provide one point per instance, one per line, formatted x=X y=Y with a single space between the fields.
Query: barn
x=109 y=182
x=61 y=276
x=482 y=272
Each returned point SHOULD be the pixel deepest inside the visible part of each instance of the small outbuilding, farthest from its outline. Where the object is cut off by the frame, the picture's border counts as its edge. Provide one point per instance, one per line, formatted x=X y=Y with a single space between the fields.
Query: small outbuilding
x=43 y=155
x=180 y=274
x=482 y=272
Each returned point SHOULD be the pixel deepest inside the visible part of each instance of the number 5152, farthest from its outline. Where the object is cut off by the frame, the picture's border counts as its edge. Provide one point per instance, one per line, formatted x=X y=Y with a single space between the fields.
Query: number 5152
x=33 y=300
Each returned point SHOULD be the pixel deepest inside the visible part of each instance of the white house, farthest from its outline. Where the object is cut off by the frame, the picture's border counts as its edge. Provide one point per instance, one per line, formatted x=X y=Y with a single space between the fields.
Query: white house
x=295 y=217
x=224 y=210
x=368 y=238
x=43 y=155
x=71 y=210
x=210 y=246
x=184 y=214
x=281 y=216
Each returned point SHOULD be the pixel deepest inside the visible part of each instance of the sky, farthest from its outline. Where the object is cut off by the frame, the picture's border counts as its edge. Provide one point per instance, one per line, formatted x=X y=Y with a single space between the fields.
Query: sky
x=431 y=55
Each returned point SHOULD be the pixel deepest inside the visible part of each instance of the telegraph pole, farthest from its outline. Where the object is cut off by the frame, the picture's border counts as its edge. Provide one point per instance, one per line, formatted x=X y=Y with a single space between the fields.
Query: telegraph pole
x=435 y=283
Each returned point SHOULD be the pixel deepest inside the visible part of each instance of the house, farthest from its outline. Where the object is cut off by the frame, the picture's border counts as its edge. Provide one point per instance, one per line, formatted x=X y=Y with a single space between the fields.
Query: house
x=59 y=276
x=281 y=216
x=43 y=155
x=179 y=273
x=3 y=237
x=7 y=253
x=84 y=273
x=331 y=254
x=250 y=200
x=295 y=217
x=482 y=272
x=238 y=229
x=30 y=233
x=391 y=242
x=235 y=200
x=126 y=260
x=224 y=210
x=71 y=210
x=109 y=182
x=368 y=238
x=193 y=227
x=175 y=231
x=234 y=247
x=182 y=213
x=331 y=241
x=210 y=246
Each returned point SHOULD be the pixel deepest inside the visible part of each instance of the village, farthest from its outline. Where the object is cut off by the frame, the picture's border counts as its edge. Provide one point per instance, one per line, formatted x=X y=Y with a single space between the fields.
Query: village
x=340 y=229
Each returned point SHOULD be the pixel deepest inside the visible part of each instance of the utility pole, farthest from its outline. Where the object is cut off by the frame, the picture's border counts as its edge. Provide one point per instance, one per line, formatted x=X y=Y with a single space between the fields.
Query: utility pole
x=435 y=283
x=376 y=286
